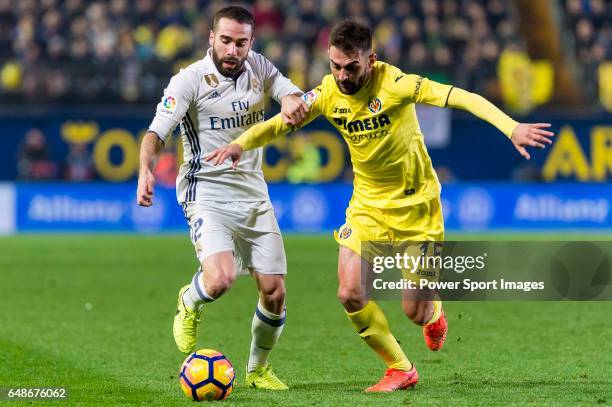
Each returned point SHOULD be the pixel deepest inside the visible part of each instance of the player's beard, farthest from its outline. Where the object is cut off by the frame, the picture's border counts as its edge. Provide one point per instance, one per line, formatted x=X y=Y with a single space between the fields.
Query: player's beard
x=232 y=71
x=349 y=87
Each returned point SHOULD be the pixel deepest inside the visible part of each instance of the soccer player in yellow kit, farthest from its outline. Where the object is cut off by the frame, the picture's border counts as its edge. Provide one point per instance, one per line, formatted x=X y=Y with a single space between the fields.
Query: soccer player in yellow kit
x=396 y=193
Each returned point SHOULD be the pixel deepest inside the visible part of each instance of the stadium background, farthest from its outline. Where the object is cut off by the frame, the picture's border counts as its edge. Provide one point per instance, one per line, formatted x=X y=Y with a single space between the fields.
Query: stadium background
x=79 y=82
x=91 y=311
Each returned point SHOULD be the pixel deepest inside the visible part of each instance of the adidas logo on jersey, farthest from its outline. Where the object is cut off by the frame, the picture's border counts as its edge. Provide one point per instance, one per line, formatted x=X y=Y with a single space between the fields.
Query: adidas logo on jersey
x=214 y=95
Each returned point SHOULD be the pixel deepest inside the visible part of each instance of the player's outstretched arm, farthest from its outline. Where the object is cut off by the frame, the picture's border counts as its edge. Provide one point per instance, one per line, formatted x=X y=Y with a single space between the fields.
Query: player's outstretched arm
x=522 y=135
x=262 y=133
x=257 y=136
x=150 y=150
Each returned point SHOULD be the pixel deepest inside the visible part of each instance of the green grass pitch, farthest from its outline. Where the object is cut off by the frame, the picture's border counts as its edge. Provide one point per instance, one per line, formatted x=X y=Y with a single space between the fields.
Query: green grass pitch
x=94 y=314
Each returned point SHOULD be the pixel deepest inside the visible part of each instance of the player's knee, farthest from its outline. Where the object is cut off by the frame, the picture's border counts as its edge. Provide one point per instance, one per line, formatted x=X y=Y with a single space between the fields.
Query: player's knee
x=218 y=287
x=273 y=297
x=278 y=295
x=351 y=299
x=218 y=281
x=275 y=301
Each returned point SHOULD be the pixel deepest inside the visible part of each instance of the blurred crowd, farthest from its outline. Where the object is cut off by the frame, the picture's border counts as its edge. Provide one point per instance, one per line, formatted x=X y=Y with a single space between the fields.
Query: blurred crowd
x=119 y=50
x=590 y=23
x=125 y=51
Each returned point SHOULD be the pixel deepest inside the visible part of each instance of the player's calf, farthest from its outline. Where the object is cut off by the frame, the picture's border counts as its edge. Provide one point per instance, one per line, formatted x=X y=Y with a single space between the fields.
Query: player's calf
x=351 y=291
x=266 y=329
x=352 y=300
x=271 y=289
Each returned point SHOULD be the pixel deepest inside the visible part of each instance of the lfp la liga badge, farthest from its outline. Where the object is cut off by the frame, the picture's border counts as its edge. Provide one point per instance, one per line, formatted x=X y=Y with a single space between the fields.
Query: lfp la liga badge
x=169 y=102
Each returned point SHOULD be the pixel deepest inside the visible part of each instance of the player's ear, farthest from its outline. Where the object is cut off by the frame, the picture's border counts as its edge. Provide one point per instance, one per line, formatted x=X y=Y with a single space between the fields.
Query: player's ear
x=211 y=38
x=372 y=58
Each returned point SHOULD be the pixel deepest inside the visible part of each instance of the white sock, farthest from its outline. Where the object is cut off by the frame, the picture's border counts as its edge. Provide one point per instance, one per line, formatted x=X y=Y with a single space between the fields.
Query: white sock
x=266 y=329
x=195 y=297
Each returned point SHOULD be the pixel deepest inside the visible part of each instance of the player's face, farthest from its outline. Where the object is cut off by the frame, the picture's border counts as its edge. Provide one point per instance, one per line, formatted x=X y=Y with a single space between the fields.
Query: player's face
x=351 y=70
x=231 y=42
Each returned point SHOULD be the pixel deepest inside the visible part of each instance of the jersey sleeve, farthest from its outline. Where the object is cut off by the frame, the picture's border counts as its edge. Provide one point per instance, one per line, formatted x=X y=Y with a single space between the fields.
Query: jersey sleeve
x=417 y=89
x=178 y=96
x=275 y=83
x=262 y=133
x=482 y=108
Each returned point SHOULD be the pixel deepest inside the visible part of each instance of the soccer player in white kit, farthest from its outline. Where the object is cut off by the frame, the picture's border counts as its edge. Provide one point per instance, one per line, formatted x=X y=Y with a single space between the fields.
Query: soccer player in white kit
x=232 y=222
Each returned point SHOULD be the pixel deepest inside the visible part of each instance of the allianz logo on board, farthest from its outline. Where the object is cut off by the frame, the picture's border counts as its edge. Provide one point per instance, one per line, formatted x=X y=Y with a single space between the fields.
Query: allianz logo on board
x=64 y=208
x=548 y=207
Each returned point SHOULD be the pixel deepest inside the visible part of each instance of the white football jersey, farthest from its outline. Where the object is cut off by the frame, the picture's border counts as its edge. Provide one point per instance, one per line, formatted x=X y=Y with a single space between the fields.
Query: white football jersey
x=213 y=110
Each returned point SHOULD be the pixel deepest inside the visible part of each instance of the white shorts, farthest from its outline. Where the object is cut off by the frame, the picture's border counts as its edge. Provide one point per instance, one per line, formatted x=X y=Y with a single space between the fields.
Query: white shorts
x=248 y=229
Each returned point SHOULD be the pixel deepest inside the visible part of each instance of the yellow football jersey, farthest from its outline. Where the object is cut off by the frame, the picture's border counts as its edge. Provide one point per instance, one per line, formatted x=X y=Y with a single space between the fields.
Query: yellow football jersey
x=380 y=126
x=379 y=123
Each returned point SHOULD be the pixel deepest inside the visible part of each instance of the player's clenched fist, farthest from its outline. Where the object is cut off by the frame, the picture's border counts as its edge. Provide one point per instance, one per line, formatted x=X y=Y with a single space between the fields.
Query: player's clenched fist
x=293 y=110
x=233 y=151
x=144 y=192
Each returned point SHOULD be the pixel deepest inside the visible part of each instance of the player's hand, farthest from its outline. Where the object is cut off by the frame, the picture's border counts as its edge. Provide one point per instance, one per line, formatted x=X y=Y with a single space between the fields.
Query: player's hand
x=531 y=135
x=233 y=151
x=293 y=110
x=144 y=192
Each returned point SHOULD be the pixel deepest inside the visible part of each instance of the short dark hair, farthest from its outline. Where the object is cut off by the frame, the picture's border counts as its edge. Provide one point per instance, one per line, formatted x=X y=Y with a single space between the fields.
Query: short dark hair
x=236 y=13
x=351 y=36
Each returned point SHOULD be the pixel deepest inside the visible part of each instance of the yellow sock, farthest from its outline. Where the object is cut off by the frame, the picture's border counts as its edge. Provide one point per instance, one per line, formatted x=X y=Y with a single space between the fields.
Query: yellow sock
x=437 y=312
x=371 y=324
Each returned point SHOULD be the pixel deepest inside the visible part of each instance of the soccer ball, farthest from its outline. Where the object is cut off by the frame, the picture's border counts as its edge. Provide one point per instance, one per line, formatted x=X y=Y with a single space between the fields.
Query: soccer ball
x=207 y=375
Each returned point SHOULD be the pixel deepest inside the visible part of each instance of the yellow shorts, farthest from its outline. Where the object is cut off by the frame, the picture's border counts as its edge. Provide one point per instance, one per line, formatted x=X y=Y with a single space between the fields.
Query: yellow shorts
x=395 y=227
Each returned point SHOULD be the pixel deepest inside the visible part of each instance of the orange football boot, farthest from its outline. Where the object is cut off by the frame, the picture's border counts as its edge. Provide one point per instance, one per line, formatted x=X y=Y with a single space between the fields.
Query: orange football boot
x=435 y=333
x=395 y=379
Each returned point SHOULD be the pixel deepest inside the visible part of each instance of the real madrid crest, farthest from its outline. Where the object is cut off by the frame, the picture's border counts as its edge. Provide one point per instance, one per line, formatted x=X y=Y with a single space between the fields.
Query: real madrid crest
x=256 y=85
x=212 y=80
